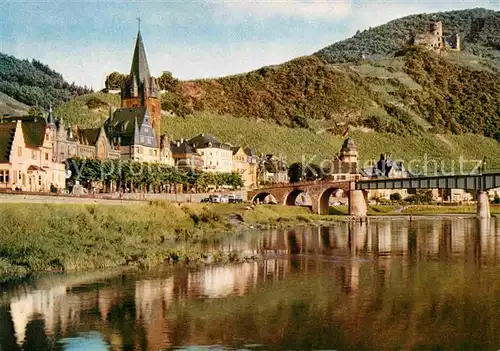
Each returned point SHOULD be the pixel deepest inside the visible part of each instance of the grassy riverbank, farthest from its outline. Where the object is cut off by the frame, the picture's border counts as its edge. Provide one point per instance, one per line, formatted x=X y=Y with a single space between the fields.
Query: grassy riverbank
x=65 y=237
x=44 y=237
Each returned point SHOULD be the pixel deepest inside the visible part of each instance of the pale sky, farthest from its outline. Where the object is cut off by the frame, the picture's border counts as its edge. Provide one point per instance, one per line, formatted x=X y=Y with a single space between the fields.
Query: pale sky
x=85 y=40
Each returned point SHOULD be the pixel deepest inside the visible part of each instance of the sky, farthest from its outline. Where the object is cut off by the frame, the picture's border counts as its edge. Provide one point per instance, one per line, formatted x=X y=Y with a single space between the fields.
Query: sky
x=86 y=40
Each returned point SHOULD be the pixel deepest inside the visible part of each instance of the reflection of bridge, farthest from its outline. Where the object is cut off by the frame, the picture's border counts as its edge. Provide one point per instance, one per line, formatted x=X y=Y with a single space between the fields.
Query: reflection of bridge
x=320 y=191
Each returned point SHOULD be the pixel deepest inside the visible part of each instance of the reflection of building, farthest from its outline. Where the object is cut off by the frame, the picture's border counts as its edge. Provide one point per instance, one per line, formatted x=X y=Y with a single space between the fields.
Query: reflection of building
x=159 y=309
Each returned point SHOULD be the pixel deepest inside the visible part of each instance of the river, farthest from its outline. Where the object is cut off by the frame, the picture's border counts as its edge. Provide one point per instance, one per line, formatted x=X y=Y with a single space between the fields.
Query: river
x=399 y=284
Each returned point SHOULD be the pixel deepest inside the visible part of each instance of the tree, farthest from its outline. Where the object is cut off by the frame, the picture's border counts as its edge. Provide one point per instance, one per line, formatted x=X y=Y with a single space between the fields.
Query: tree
x=295 y=172
x=35 y=112
x=115 y=80
x=312 y=172
x=167 y=82
x=395 y=197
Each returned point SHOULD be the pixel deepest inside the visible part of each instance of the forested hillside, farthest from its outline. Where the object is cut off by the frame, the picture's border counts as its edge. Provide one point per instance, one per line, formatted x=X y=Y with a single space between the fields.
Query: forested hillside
x=399 y=93
x=35 y=84
x=416 y=92
x=478 y=28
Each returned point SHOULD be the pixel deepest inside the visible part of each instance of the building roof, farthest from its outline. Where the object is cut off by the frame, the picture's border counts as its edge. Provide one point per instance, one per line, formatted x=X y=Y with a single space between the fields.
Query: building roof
x=207 y=140
x=248 y=151
x=33 y=128
x=34 y=132
x=348 y=145
x=7 y=131
x=123 y=121
x=139 y=82
x=88 y=136
x=384 y=166
x=34 y=168
x=139 y=68
x=181 y=147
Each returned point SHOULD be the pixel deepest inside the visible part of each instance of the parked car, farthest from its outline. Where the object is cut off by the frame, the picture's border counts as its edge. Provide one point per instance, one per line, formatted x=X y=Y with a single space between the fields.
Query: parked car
x=235 y=199
x=215 y=199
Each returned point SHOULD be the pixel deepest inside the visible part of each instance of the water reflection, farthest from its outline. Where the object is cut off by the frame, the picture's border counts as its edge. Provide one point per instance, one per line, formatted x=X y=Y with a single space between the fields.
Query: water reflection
x=393 y=284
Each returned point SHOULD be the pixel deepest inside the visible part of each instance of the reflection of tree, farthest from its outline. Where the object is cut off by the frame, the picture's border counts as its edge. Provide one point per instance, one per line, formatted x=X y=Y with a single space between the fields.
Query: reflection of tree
x=293 y=245
x=7 y=332
x=35 y=336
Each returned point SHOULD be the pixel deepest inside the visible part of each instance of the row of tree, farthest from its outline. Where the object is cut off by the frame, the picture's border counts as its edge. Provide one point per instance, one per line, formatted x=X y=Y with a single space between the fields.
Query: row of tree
x=115 y=80
x=132 y=176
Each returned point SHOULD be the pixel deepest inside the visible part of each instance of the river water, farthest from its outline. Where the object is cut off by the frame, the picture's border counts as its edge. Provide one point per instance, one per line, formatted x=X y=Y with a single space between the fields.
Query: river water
x=424 y=284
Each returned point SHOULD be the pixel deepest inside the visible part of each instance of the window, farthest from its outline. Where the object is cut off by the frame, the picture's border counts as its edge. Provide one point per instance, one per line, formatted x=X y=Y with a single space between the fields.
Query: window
x=33 y=155
x=46 y=156
x=19 y=151
x=142 y=139
x=4 y=176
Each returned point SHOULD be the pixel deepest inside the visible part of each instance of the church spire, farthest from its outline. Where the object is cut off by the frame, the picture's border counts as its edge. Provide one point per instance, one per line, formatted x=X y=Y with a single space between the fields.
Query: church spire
x=139 y=83
x=140 y=69
x=50 y=117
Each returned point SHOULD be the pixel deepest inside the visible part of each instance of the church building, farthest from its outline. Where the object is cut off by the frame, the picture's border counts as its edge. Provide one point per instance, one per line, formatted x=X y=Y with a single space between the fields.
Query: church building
x=135 y=128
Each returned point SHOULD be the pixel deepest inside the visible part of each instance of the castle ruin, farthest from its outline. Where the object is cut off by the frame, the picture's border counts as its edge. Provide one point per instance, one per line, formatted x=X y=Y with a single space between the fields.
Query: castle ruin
x=433 y=38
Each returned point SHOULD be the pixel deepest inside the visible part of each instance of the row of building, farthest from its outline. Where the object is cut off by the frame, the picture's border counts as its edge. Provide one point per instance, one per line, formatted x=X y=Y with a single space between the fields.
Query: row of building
x=33 y=149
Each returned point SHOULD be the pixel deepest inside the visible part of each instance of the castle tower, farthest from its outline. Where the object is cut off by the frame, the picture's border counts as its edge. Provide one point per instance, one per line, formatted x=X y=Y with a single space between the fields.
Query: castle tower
x=457 y=42
x=139 y=89
x=349 y=152
x=436 y=35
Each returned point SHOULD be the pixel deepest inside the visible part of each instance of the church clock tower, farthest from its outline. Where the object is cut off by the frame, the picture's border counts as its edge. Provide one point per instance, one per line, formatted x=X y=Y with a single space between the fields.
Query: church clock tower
x=140 y=90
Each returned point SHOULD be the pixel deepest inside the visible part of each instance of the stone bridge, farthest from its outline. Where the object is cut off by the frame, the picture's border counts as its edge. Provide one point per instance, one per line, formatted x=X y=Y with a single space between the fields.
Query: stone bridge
x=319 y=193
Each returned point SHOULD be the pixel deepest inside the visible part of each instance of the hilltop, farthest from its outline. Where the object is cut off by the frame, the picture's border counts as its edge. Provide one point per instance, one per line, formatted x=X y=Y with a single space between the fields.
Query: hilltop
x=478 y=28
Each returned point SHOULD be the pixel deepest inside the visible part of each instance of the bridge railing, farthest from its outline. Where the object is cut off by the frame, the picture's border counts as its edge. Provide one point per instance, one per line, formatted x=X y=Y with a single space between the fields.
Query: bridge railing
x=303 y=183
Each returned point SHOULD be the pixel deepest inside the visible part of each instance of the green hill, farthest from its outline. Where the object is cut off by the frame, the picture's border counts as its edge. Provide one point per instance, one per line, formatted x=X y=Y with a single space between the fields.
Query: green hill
x=12 y=107
x=402 y=99
x=34 y=83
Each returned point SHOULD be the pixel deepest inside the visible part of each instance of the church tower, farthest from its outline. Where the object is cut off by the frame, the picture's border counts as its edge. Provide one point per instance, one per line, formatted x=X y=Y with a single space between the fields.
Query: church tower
x=140 y=90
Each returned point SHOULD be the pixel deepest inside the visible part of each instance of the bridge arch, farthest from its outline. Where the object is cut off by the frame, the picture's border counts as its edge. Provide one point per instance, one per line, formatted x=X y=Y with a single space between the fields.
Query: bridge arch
x=292 y=196
x=323 y=200
x=262 y=196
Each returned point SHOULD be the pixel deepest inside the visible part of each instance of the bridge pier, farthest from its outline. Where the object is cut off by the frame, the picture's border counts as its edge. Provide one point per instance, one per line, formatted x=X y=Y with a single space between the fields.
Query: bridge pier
x=483 y=205
x=357 y=204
